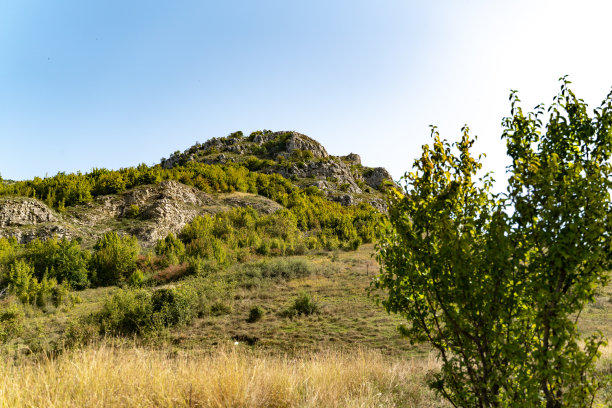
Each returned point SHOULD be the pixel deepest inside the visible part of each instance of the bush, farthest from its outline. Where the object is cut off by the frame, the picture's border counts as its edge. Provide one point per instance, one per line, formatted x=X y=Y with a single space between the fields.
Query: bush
x=136 y=279
x=281 y=269
x=173 y=306
x=114 y=259
x=59 y=294
x=138 y=312
x=24 y=284
x=11 y=321
x=201 y=267
x=127 y=312
x=170 y=245
x=63 y=260
x=255 y=314
x=133 y=211
x=303 y=304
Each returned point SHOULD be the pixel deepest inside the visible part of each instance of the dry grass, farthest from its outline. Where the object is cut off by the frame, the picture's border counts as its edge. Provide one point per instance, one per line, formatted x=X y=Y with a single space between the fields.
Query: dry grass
x=106 y=376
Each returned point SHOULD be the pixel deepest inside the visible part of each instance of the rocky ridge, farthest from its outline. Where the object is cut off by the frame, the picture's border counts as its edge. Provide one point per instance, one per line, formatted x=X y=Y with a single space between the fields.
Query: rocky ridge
x=296 y=157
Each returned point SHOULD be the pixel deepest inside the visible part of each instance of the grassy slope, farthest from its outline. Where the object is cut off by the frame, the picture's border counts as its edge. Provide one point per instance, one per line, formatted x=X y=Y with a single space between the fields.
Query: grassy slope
x=348 y=323
x=348 y=318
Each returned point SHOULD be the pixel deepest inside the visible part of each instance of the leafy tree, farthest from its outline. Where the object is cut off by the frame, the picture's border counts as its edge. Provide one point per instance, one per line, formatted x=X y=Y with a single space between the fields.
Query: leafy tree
x=60 y=259
x=171 y=248
x=495 y=282
x=24 y=284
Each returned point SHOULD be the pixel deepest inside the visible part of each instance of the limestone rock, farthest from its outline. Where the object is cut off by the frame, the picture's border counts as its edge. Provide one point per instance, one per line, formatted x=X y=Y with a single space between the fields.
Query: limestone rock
x=295 y=156
x=376 y=176
x=352 y=158
x=298 y=141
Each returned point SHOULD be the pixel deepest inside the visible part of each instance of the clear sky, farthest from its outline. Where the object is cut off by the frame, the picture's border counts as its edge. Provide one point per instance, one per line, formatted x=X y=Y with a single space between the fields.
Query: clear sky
x=113 y=84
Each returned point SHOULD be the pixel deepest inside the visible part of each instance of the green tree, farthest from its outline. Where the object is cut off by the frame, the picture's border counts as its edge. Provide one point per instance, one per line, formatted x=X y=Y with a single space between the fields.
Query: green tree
x=60 y=259
x=495 y=282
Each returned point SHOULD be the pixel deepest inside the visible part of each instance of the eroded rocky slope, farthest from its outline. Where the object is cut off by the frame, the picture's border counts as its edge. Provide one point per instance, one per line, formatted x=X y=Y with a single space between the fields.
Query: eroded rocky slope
x=149 y=212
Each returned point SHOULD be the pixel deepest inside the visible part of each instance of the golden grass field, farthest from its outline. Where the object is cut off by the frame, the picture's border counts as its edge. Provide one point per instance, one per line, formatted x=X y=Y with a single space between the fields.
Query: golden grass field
x=229 y=376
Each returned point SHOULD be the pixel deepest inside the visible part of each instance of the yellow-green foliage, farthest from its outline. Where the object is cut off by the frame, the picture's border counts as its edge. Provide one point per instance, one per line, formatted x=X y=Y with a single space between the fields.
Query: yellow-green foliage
x=63 y=260
x=171 y=249
x=310 y=209
x=11 y=320
x=8 y=252
x=24 y=284
x=142 y=312
x=226 y=235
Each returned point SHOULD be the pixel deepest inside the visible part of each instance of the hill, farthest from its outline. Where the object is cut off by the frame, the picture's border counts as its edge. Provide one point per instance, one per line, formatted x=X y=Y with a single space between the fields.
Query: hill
x=184 y=249
x=296 y=157
x=252 y=250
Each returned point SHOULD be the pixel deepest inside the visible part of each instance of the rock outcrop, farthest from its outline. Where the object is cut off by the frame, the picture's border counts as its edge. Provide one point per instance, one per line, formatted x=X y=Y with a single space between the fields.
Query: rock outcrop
x=24 y=211
x=27 y=218
x=376 y=177
x=151 y=212
x=148 y=212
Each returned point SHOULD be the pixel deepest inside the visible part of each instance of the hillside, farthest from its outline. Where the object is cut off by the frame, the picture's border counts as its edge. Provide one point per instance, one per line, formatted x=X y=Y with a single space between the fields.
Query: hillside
x=161 y=209
x=182 y=250
x=223 y=173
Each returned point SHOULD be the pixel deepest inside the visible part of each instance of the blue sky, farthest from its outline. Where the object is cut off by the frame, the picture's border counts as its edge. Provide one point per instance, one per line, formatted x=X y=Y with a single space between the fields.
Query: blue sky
x=113 y=84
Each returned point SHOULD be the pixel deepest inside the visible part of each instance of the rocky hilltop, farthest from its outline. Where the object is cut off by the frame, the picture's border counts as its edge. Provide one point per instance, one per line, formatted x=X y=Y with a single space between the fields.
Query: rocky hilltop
x=296 y=157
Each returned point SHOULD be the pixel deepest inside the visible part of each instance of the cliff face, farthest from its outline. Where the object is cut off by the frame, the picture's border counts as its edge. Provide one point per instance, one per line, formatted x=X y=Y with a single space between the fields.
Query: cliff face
x=297 y=157
x=28 y=218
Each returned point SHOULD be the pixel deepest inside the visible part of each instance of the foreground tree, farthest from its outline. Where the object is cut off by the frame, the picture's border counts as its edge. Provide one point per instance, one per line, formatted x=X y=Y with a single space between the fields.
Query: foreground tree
x=496 y=282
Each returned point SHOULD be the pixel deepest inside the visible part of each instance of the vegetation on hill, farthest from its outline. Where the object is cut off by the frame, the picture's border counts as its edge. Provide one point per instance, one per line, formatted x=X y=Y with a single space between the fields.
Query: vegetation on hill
x=206 y=262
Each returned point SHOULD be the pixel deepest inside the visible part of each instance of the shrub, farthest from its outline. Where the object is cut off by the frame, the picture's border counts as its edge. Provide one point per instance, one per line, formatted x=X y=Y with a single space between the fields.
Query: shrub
x=114 y=259
x=284 y=269
x=136 y=279
x=60 y=293
x=133 y=211
x=138 y=312
x=24 y=284
x=173 y=306
x=201 y=267
x=171 y=249
x=62 y=260
x=200 y=227
x=127 y=312
x=255 y=314
x=11 y=321
x=303 y=304
x=172 y=273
